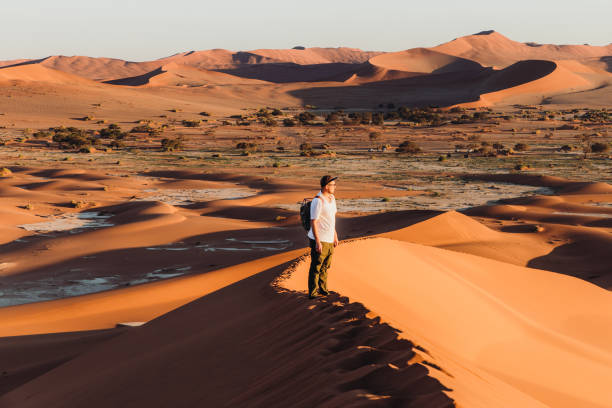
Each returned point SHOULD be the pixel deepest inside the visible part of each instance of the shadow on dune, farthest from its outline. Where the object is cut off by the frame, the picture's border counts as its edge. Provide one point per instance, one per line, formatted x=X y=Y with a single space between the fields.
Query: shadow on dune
x=246 y=345
x=608 y=62
x=31 y=62
x=289 y=72
x=367 y=225
x=69 y=173
x=433 y=89
x=25 y=358
x=249 y=181
x=587 y=259
x=442 y=89
x=137 y=80
x=270 y=72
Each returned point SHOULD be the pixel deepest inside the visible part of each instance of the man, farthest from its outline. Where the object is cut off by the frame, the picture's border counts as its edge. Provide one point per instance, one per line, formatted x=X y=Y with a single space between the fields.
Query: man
x=323 y=236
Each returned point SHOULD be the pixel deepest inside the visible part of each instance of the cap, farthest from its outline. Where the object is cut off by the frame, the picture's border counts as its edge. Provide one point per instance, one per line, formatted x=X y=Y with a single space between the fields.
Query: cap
x=325 y=180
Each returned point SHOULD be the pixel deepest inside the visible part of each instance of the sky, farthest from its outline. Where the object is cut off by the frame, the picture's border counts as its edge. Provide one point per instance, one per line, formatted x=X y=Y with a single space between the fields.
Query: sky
x=139 y=30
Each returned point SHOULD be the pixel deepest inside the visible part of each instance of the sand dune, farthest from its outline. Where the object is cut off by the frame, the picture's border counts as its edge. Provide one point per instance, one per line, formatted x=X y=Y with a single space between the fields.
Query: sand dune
x=140 y=303
x=501 y=305
x=26 y=358
x=39 y=73
x=446 y=75
x=458 y=232
x=270 y=349
x=13 y=62
x=492 y=49
x=484 y=330
x=96 y=69
x=423 y=60
x=531 y=82
x=173 y=74
x=311 y=56
x=109 y=69
x=410 y=63
x=511 y=322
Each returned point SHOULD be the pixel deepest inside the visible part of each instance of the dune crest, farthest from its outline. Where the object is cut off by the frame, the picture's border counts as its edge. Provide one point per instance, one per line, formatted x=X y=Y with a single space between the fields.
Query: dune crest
x=423 y=60
x=527 y=328
x=492 y=49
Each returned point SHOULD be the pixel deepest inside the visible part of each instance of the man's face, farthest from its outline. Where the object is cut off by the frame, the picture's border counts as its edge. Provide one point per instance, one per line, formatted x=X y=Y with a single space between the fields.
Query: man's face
x=330 y=187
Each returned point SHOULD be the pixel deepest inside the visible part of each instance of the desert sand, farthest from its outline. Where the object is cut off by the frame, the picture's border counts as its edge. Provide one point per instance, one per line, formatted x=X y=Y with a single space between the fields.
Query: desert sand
x=473 y=271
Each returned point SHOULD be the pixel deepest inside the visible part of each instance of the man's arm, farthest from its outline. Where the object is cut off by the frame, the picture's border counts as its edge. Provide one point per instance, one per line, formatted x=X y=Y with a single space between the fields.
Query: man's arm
x=315 y=232
x=315 y=212
x=335 y=238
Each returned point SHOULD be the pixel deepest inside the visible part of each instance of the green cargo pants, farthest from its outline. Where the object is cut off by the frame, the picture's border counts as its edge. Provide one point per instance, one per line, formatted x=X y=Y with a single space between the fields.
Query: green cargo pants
x=319 y=264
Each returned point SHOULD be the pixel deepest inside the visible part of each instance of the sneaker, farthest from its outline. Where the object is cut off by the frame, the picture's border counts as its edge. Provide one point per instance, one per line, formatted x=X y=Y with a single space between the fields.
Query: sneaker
x=314 y=296
x=324 y=292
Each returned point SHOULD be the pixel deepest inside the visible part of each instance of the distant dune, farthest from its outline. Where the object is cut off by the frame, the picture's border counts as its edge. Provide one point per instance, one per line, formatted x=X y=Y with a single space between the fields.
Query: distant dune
x=425 y=61
x=40 y=73
x=477 y=70
x=173 y=74
x=491 y=48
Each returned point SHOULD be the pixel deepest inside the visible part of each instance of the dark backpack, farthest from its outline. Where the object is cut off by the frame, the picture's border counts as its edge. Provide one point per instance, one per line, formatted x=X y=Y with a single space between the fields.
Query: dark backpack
x=305 y=213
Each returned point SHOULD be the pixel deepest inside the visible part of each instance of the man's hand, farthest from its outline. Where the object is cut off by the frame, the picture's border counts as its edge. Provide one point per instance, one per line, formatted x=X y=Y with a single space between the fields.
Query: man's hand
x=335 y=241
x=319 y=247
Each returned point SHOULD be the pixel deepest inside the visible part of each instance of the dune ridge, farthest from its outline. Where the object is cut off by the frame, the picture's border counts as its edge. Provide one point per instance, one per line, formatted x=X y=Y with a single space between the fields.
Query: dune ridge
x=479 y=70
x=493 y=49
x=524 y=343
x=110 y=69
x=270 y=350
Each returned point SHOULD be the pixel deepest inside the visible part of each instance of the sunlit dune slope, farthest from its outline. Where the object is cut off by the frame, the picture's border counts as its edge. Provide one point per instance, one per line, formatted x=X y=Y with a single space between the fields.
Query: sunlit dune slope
x=528 y=328
x=532 y=81
x=96 y=69
x=109 y=69
x=458 y=232
x=423 y=60
x=39 y=73
x=490 y=48
x=410 y=63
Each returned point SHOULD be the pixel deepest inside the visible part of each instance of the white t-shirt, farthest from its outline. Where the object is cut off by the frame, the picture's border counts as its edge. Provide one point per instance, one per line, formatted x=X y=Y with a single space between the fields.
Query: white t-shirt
x=325 y=212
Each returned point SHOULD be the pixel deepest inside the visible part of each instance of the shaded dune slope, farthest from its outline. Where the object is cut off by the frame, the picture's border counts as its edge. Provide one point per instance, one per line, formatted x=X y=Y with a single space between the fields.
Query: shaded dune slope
x=522 y=82
x=28 y=357
x=531 y=82
x=291 y=72
x=269 y=349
